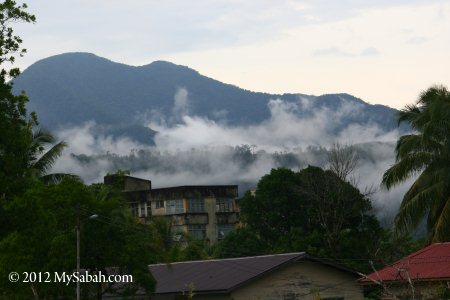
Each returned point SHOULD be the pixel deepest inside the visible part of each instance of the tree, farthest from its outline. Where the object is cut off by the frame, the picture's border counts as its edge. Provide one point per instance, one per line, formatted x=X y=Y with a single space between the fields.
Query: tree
x=342 y=160
x=336 y=208
x=23 y=145
x=239 y=243
x=312 y=210
x=40 y=159
x=426 y=152
x=44 y=240
x=276 y=207
x=10 y=47
x=15 y=129
x=15 y=139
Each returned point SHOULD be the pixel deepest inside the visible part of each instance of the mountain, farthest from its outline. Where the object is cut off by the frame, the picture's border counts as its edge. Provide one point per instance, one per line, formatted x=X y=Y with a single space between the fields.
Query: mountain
x=72 y=88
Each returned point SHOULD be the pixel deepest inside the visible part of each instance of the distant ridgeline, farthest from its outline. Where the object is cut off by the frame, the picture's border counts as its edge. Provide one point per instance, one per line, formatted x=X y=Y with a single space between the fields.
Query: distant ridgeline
x=73 y=88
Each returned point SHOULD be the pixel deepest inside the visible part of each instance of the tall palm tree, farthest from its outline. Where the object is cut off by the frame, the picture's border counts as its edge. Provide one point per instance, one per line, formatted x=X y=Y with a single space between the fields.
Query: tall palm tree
x=42 y=154
x=425 y=153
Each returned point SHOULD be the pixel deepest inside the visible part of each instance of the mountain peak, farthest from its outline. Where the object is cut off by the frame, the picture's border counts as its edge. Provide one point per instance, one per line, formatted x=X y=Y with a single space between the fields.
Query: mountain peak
x=73 y=88
x=169 y=66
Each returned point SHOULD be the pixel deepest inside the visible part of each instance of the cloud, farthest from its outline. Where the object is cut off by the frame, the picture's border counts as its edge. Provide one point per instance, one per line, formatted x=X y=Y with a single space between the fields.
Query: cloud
x=198 y=150
x=88 y=140
x=334 y=51
x=417 y=40
x=180 y=106
x=370 y=51
x=284 y=130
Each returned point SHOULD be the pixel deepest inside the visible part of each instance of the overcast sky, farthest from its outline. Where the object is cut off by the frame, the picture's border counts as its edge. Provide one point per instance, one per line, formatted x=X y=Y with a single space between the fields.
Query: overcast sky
x=383 y=51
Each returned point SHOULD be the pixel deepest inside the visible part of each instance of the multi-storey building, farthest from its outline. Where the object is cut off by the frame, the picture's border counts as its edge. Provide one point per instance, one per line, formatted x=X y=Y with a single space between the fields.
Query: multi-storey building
x=205 y=212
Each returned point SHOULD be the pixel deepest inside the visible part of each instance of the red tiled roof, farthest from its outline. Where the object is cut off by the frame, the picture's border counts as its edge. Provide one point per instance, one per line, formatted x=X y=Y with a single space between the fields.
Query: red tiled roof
x=430 y=263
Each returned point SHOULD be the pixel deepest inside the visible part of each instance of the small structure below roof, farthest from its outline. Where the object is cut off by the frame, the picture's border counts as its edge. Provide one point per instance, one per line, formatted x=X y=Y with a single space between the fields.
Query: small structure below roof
x=425 y=274
x=280 y=276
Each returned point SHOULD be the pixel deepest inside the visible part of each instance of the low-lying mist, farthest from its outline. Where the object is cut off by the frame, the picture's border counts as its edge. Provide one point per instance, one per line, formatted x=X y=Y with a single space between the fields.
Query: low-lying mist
x=191 y=150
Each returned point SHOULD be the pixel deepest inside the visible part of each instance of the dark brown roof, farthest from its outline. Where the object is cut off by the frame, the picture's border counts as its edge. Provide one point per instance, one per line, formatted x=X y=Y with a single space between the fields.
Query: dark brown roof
x=221 y=275
x=193 y=191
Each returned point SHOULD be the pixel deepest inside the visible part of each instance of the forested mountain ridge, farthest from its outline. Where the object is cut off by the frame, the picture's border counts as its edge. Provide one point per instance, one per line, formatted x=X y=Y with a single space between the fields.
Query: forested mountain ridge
x=72 y=88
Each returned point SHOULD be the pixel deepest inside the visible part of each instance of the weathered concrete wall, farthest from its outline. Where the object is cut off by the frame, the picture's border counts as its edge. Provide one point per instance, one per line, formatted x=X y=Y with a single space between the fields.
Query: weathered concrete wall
x=136 y=184
x=161 y=211
x=185 y=219
x=227 y=218
x=211 y=227
x=302 y=280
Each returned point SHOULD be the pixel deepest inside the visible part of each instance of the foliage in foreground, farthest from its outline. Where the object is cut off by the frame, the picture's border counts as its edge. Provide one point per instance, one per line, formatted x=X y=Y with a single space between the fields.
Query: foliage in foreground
x=425 y=152
x=43 y=239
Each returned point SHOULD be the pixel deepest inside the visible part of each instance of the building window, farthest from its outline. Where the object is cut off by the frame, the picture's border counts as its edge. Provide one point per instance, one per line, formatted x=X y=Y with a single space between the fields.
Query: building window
x=142 y=210
x=223 y=230
x=196 y=205
x=174 y=206
x=224 y=205
x=149 y=208
x=197 y=231
x=134 y=207
x=159 y=204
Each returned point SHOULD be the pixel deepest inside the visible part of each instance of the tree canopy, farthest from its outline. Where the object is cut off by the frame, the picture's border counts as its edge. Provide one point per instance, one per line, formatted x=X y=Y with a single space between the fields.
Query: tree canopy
x=44 y=239
x=11 y=12
x=311 y=210
x=15 y=123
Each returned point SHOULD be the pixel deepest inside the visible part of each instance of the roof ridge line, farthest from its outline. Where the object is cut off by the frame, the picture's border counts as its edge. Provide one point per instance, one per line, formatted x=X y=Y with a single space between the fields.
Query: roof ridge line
x=228 y=259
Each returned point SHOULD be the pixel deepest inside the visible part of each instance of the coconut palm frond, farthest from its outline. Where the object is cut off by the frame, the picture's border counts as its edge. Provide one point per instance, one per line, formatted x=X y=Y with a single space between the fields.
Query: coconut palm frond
x=433 y=94
x=406 y=167
x=42 y=137
x=422 y=182
x=46 y=161
x=440 y=220
x=426 y=151
x=412 y=210
x=413 y=143
x=409 y=114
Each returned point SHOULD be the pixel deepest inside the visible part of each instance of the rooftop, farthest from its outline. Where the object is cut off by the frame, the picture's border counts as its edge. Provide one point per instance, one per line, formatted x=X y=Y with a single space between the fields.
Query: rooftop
x=193 y=191
x=430 y=263
x=221 y=275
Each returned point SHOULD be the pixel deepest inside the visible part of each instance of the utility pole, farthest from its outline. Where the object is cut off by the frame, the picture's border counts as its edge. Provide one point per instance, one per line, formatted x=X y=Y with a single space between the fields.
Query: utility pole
x=78 y=251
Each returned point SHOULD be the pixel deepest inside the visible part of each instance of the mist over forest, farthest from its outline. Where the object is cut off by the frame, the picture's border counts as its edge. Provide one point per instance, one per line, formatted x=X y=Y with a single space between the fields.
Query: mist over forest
x=194 y=150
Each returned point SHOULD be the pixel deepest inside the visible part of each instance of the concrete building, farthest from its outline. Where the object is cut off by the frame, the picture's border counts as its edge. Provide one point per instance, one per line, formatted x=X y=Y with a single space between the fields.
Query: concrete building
x=206 y=212
x=283 y=276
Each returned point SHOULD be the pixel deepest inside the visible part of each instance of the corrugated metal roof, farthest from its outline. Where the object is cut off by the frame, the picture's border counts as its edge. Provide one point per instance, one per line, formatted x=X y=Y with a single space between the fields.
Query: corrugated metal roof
x=430 y=263
x=224 y=275
x=219 y=275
